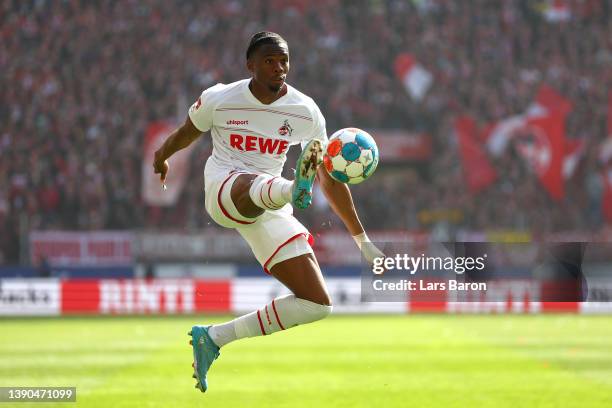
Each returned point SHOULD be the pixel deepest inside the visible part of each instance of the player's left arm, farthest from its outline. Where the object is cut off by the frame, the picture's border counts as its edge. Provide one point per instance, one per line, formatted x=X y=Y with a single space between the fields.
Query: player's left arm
x=340 y=200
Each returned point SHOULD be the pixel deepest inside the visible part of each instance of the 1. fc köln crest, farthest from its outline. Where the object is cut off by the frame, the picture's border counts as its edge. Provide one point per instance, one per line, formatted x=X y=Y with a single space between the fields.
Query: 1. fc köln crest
x=286 y=129
x=533 y=145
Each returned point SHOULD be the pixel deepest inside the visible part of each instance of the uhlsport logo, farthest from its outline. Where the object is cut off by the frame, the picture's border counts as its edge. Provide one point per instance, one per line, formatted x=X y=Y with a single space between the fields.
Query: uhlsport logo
x=286 y=129
x=237 y=122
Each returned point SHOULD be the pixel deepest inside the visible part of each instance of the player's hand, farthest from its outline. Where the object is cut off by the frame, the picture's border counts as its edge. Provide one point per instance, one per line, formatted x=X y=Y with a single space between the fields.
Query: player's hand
x=369 y=251
x=160 y=166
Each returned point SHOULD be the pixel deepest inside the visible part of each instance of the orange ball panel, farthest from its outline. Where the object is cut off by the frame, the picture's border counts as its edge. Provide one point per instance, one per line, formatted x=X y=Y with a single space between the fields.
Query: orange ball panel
x=334 y=147
x=328 y=164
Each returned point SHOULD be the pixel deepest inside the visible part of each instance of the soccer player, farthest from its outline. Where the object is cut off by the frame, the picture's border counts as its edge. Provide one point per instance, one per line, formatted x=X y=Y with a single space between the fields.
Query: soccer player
x=252 y=123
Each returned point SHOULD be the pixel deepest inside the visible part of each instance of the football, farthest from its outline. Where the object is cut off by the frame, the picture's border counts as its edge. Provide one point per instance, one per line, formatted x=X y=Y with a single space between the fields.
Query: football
x=351 y=156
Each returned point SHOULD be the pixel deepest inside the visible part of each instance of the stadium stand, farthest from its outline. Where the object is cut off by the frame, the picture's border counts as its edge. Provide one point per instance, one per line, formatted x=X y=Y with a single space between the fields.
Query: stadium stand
x=74 y=108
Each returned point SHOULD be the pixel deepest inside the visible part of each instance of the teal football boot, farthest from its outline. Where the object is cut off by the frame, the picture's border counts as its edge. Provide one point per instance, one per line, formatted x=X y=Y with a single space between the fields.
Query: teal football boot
x=205 y=351
x=306 y=170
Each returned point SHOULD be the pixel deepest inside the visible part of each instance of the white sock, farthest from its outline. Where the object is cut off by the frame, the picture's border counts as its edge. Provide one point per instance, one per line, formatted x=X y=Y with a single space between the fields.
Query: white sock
x=222 y=334
x=282 y=313
x=270 y=193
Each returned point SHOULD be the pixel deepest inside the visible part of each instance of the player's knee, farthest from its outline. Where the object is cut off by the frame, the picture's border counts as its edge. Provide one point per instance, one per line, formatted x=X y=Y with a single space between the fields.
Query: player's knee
x=314 y=311
x=321 y=298
x=325 y=300
x=241 y=185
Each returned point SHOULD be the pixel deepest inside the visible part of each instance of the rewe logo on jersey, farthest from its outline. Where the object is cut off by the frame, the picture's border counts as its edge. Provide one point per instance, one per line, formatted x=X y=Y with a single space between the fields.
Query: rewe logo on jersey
x=250 y=143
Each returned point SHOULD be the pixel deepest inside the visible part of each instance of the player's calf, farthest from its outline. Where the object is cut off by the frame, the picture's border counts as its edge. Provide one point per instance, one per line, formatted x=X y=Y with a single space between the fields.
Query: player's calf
x=282 y=313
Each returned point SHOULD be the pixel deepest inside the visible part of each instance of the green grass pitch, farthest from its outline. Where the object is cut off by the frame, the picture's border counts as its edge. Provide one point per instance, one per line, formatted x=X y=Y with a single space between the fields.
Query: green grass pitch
x=361 y=361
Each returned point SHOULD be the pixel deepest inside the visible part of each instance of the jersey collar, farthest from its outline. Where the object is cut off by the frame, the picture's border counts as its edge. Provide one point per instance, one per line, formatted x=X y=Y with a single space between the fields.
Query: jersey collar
x=249 y=95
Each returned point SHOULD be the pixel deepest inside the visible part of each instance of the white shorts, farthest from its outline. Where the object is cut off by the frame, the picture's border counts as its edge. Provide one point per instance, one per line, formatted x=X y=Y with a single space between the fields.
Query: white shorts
x=274 y=236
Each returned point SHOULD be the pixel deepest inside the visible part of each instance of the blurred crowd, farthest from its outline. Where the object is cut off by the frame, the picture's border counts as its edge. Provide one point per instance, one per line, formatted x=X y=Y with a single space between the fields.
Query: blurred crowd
x=81 y=80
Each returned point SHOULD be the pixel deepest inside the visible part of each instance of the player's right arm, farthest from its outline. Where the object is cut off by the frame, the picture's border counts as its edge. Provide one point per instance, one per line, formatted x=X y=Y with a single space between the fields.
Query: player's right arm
x=198 y=121
x=179 y=139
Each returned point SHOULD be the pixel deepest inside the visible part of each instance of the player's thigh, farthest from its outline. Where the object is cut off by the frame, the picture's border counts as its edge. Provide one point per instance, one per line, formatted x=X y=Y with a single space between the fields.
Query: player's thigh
x=281 y=244
x=219 y=203
x=275 y=236
x=303 y=277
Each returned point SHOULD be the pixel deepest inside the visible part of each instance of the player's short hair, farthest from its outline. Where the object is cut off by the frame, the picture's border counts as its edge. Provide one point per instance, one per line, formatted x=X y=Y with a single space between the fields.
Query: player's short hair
x=262 y=38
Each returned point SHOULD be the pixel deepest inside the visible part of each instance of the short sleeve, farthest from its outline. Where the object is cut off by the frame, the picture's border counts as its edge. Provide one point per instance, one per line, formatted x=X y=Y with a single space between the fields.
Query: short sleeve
x=318 y=126
x=200 y=112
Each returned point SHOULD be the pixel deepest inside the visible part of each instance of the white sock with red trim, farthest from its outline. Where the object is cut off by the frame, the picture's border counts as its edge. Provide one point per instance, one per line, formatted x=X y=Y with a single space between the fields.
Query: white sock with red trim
x=282 y=313
x=270 y=193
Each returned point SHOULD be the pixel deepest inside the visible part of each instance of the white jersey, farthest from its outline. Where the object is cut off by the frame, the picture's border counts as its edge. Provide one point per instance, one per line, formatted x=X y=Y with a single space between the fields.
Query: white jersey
x=251 y=136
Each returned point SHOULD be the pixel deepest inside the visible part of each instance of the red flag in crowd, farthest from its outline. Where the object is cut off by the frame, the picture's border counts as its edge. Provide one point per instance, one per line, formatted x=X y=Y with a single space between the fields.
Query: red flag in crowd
x=479 y=172
x=550 y=100
x=547 y=102
x=416 y=79
x=499 y=134
x=539 y=135
x=574 y=148
x=152 y=191
x=550 y=103
x=541 y=143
